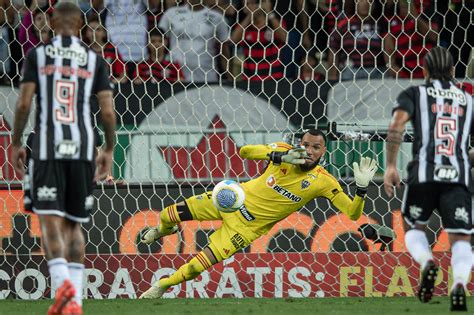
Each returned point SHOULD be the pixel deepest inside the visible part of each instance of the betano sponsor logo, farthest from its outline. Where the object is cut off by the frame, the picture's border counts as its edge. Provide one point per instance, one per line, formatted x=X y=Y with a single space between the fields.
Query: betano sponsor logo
x=271 y=182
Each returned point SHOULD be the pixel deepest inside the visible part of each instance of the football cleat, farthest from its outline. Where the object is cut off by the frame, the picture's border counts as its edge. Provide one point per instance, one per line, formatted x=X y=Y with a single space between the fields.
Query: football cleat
x=458 y=298
x=427 y=282
x=72 y=308
x=154 y=292
x=63 y=295
x=154 y=234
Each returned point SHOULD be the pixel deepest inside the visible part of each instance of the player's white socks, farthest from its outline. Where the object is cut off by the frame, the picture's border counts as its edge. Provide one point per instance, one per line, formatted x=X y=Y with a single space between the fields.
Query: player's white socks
x=418 y=247
x=76 y=271
x=461 y=261
x=58 y=271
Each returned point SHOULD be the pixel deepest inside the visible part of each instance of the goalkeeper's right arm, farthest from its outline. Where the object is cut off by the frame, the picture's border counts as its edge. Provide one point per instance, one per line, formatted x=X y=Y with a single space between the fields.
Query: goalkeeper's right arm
x=279 y=152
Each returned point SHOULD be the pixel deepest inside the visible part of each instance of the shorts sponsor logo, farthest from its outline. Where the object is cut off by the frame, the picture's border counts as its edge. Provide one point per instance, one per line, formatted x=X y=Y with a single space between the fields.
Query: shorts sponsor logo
x=238 y=241
x=89 y=202
x=445 y=173
x=460 y=214
x=415 y=212
x=67 y=148
x=246 y=214
x=46 y=193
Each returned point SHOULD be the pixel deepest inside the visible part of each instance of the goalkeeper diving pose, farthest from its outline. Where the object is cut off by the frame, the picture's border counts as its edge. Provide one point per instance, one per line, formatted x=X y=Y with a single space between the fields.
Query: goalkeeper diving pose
x=292 y=179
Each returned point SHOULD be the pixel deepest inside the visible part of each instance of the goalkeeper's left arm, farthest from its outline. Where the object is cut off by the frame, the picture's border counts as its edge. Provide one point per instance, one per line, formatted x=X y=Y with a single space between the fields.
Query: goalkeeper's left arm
x=278 y=152
x=363 y=173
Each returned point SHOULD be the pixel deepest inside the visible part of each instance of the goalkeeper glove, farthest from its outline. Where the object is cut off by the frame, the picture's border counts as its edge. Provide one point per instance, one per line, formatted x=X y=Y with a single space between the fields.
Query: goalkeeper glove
x=294 y=156
x=363 y=174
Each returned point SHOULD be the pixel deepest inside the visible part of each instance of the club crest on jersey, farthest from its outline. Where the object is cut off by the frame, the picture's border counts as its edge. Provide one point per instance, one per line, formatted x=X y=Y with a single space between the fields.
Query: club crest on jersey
x=445 y=173
x=305 y=184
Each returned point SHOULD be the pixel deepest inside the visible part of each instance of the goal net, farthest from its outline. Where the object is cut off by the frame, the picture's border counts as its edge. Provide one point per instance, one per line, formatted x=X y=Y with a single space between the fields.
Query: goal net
x=194 y=82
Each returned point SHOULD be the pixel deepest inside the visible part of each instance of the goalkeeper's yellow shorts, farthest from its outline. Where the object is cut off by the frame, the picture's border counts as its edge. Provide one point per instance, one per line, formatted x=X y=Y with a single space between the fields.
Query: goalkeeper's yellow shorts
x=234 y=233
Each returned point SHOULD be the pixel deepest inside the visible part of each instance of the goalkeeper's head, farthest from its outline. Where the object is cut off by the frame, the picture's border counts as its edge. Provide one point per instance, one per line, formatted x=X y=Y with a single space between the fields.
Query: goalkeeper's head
x=314 y=141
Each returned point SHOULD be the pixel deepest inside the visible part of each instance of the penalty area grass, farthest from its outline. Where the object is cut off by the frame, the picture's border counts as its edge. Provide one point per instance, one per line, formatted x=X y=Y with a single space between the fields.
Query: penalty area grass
x=292 y=306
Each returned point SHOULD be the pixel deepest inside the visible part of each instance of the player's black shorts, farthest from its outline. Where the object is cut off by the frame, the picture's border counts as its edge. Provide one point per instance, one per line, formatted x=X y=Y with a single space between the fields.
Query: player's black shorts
x=62 y=187
x=452 y=201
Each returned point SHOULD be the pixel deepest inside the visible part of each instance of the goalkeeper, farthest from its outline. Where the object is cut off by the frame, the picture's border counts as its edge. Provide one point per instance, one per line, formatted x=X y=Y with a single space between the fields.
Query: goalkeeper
x=292 y=179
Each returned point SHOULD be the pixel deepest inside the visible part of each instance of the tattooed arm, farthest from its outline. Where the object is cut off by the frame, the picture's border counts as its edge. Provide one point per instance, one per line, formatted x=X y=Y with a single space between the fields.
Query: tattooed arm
x=392 y=145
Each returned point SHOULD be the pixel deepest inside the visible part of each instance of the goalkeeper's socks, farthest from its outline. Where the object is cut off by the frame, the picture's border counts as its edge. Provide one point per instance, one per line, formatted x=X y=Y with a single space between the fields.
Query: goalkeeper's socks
x=58 y=271
x=188 y=271
x=418 y=247
x=76 y=272
x=461 y=262
x=169 y=217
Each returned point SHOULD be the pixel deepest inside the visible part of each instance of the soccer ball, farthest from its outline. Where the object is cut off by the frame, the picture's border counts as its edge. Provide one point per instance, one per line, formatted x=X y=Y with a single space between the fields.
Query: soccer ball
x=228 y=196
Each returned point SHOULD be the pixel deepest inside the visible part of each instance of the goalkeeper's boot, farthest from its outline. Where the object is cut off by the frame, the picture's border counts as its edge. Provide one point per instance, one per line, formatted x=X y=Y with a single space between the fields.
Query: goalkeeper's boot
x=427 y=282
x=154 y=234
x=458 y=298
x=72 y=309
x=63 y=295
x=154 y=292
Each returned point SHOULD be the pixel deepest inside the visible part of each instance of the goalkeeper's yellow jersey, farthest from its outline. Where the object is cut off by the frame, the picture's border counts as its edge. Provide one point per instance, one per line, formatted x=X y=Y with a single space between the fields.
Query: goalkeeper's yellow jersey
x=285 y=188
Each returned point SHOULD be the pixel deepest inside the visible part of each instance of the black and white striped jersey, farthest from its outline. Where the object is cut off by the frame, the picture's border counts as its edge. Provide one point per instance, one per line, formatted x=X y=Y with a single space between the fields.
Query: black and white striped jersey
x=67 y=73
x=441 y=115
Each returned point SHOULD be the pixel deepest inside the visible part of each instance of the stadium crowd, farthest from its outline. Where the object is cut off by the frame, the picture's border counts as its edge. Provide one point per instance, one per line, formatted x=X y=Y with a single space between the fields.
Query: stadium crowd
x=254 y=40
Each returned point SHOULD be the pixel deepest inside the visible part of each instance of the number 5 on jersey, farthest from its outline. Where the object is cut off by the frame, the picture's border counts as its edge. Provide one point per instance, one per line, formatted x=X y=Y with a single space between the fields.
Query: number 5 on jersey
x=445 y=130
x=65 y=95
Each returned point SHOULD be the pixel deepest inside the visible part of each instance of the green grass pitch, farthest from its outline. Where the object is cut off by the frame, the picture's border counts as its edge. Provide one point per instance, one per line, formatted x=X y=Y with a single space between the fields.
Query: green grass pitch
x=292 y=306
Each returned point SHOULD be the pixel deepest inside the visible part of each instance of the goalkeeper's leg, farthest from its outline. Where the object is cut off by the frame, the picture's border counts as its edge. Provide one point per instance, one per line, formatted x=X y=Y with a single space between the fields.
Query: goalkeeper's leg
x=224 y=242
x=170 y=217
x=202 y=261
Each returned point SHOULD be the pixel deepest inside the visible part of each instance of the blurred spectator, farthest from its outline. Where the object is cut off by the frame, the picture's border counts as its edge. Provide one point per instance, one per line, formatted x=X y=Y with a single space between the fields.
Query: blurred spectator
x=229 y=8
x=409 y=38
x=308 y=70
x=296 y=16
x=126 y=24
x=155 y=12
x=7 y=62
x=309 y=24
x=197 y=39
x=356 y=44
x=156 y=67
x=262 y=35
x=96 y=37
x=34 y=27
x=459 y=34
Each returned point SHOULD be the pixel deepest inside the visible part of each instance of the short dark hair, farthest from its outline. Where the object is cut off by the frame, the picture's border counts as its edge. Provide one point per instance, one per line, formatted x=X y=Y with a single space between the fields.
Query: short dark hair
x=439 y=62
x=317 y=132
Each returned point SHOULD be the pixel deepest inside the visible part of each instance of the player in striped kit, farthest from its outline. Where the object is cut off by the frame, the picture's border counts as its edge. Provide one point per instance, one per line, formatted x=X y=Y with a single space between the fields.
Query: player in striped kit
x=64 y=74
x=441 y=115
